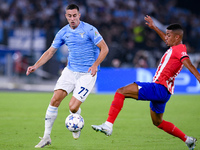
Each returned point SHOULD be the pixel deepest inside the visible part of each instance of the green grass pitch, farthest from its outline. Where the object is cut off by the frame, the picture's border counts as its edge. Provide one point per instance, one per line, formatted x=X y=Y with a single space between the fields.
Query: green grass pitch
x=22 y=122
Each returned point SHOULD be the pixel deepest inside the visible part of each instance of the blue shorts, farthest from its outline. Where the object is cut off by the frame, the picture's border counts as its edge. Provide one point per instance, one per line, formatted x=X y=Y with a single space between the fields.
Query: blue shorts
x=157 y=94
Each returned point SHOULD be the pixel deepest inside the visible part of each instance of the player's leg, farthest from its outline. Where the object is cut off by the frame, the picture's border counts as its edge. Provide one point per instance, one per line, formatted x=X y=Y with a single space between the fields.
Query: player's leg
x=157 y=118
x=64 y=85
x=157 y=108
x=167 y=126
x=170 y=128
x=74 y=105
x=129 y=91
x=50 y=117
x=138 y=90
x=84 y=85
x=52 y=110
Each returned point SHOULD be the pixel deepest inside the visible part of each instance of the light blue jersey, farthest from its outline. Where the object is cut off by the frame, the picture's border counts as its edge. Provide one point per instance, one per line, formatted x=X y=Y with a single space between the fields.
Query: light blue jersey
x=81 y=43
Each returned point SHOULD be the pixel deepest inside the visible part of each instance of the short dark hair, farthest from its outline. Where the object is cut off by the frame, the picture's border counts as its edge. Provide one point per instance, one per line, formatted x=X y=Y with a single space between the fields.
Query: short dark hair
x=175 y=26
x=72 y=6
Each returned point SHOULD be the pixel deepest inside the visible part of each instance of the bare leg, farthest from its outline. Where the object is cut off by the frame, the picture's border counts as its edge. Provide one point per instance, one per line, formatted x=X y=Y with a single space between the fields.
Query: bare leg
x=74 y=105
x=156 y=118
x=129 y=91
x=57 y=98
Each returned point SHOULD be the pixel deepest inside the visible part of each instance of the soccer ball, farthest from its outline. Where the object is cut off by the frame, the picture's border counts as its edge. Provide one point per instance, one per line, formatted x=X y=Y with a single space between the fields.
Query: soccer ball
x=74 y=122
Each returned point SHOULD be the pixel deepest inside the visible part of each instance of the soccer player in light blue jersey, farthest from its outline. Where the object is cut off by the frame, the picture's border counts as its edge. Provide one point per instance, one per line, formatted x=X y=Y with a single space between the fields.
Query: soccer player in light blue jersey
x=87 y=50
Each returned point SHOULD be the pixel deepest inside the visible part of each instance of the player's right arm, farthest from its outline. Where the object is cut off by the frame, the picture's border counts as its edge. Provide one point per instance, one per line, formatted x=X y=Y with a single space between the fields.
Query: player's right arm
x=151 y=25
x=43 y=59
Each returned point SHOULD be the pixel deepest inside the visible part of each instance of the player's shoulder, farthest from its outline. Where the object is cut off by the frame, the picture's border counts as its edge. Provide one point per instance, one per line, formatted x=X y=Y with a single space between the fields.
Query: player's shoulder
x=63 y=30
x=180 y=46
x=180 y=50
x=87 y=26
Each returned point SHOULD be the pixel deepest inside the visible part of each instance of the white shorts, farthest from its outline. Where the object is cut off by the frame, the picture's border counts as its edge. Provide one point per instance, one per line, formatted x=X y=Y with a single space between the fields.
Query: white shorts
x=80 y=83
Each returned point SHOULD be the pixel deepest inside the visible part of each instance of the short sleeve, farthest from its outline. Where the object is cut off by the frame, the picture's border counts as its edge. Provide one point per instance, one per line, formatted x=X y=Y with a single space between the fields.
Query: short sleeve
x=181 y=52
x=95 y=35
x=58 y=41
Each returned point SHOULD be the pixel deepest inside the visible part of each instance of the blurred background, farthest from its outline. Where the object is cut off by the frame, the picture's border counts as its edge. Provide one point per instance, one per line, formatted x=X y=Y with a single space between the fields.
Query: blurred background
x=28 y=27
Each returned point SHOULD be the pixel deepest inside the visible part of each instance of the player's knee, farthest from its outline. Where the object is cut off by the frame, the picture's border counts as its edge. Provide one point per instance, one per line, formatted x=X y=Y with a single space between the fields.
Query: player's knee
x=156 y=122
x=55 y=102
x=73 y=109
x=120 y=90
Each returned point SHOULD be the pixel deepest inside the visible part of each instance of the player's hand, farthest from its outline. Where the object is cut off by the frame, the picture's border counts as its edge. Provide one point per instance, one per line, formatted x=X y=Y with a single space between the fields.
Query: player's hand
x=149 y=22
x=30 y=69
x=93 y=70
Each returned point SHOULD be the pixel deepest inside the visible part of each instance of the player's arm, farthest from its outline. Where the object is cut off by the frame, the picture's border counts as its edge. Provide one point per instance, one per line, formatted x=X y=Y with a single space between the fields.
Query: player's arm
x=43 y=59
x=151 y=25
x=187 y=63
x=103 y=52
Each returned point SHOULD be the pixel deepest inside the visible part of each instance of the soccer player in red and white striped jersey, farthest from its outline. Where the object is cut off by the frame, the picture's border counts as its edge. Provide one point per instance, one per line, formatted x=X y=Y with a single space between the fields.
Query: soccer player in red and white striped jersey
x=159 y=91
x=170 y=66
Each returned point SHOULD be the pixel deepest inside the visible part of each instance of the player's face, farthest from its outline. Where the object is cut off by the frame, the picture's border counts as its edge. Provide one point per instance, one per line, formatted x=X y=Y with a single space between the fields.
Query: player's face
x=170 y=38
x=73 y=17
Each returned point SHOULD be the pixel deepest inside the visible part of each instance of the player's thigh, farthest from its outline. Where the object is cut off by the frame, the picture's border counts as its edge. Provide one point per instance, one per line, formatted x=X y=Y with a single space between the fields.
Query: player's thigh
x=153 y=92
x=84 y=86
x=58 y=96
x=129 y=91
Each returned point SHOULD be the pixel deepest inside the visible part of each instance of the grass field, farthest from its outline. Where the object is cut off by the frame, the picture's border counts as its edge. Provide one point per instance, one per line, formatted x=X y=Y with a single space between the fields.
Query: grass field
x=22 y=122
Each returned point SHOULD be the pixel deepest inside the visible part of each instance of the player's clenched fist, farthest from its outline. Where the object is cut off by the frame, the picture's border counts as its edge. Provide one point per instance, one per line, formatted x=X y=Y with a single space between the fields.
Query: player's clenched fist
x=30 y=70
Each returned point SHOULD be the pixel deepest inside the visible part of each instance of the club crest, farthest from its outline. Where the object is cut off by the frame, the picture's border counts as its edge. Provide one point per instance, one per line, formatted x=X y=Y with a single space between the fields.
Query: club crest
x=82 y=34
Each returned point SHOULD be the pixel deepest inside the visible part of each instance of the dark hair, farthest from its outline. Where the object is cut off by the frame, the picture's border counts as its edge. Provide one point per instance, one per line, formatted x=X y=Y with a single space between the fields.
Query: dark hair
x=175 y=26
x=72 y=6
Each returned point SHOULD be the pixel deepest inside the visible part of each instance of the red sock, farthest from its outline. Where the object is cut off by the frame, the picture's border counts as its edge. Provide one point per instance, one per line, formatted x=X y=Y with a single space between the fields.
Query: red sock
x=115 y=107
x=172 y=129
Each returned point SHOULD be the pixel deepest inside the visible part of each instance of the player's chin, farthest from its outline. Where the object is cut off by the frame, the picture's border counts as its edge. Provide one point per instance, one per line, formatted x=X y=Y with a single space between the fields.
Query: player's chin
x=72 y=24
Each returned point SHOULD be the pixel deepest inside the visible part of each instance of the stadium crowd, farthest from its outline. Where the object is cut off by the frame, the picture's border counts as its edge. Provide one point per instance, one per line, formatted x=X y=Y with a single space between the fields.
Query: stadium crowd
x=121 y=23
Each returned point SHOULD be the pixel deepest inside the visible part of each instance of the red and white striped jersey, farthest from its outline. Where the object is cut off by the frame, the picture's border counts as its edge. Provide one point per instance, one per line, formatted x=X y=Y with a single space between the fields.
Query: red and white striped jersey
x=170 y=66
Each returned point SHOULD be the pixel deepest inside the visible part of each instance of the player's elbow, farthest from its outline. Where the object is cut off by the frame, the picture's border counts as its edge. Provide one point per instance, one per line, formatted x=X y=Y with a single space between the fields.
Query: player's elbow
x=105 y=50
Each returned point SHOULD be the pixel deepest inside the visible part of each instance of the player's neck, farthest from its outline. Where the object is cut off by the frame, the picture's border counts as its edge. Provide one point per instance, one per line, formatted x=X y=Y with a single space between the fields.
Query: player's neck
x=74 y=27
x=177 y=43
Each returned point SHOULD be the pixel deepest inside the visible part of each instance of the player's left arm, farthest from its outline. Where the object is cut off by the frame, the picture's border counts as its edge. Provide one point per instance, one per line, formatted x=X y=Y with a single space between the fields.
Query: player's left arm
x=103 y=52
x=188 y=64
x=150 y=23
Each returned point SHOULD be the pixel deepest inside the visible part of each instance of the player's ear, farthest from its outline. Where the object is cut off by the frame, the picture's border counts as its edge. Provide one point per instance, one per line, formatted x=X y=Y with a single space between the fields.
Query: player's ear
x=66 y=15
x=79 y=15
x=177 y=37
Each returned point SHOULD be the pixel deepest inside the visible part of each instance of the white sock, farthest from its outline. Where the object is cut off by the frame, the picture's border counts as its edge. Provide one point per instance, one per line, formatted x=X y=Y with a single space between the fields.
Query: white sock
x=78 y=112
x=188 y=140
x=51 y=115
x=109 y=124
